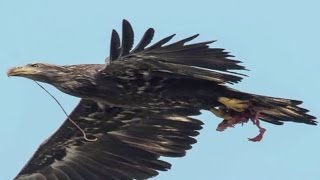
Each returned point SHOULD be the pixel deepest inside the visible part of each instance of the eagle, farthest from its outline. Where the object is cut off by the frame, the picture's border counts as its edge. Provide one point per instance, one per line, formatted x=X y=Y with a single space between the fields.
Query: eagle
x=139 y=105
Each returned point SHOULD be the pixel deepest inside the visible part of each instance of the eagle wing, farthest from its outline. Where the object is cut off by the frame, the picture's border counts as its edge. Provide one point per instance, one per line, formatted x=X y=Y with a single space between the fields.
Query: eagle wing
x=128 y=146
x=197 y=59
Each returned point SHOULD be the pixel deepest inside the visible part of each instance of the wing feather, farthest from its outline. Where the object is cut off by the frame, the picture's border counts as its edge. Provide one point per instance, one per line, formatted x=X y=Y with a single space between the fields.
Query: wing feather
x=114 y=46
x=215 y=63
x=127 y=38
x=160 y=43
x=130 y=143
x=145 y=41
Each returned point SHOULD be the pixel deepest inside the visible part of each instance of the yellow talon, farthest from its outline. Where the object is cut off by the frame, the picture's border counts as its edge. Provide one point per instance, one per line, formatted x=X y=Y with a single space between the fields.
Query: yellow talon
x=220 y=113
x=235 y=104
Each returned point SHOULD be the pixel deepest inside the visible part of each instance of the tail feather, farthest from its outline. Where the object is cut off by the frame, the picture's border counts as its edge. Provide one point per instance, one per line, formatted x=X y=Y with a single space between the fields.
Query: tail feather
x=240 y=107
x=276 y=110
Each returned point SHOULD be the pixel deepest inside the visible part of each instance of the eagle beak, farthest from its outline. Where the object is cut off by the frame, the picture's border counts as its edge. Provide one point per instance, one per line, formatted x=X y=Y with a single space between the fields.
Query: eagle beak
x=20 y=71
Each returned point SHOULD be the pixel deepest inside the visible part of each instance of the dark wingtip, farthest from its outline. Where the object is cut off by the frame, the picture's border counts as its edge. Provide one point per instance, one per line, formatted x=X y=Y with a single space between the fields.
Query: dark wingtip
x=114 y=45
x=182 y=41
x=190 y=38
x=160 y=43
x=127 y=38
x=193 y=37
x=124 y=21
x=145 y=40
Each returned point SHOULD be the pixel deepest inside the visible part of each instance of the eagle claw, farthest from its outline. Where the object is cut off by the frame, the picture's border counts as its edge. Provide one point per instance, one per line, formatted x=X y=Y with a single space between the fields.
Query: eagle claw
x=240 y=118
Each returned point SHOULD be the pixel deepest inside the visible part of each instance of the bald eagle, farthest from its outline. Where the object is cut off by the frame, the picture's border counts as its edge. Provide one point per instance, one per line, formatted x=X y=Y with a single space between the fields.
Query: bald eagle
x=137 y=105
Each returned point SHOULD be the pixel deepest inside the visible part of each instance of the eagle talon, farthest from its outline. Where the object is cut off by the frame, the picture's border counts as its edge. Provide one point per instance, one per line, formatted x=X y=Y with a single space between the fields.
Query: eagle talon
x=240 y=118
x=235 y=104
x=259 y=136
x=221 y=113
x=230 y=123
x=255 y=120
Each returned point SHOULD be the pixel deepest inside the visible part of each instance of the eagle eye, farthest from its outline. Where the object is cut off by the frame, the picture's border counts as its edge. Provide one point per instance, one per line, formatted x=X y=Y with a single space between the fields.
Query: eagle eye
x=34 y=65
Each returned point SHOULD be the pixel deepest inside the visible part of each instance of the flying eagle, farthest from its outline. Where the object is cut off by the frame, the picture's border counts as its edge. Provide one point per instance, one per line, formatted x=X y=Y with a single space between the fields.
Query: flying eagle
x=136 y=108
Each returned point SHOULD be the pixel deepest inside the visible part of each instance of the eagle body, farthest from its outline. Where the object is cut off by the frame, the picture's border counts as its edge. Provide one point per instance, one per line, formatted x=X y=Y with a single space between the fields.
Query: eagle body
x=70 y=82
x=137 y=107
x=139 y=88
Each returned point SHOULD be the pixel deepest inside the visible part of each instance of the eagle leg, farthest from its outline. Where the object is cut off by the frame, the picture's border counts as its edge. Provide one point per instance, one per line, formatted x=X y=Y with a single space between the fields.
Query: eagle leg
x=230 y=123
x=231 y=119
x=234 y=104
x=236 y=119
x=255 y=121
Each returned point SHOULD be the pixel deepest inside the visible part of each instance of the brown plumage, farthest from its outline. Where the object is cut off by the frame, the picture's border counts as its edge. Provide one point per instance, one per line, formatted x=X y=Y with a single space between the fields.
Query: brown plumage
x=138 y=105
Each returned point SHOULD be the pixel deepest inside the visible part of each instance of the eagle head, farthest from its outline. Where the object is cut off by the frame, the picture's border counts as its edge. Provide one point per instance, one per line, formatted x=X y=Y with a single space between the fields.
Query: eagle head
x=76 y=80
x=47 y=73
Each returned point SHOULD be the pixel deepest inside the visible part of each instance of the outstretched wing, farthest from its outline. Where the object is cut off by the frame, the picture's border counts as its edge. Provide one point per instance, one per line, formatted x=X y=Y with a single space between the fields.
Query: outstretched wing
x=196 y=59
x=129 y=144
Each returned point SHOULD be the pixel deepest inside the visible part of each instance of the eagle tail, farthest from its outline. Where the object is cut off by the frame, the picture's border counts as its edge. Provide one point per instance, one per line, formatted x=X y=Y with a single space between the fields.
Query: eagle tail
x=276 y=110
x=243 y=107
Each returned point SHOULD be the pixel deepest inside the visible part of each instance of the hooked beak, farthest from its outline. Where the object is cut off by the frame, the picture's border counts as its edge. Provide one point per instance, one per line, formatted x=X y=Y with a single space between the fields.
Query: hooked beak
x=20 y=71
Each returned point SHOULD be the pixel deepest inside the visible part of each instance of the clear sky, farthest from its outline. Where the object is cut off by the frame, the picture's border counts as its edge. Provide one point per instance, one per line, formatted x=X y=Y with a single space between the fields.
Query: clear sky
x=277 y=40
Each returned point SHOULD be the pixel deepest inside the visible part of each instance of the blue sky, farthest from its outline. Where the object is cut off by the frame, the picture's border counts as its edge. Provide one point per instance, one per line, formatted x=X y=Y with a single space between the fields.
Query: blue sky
x=277 y=40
